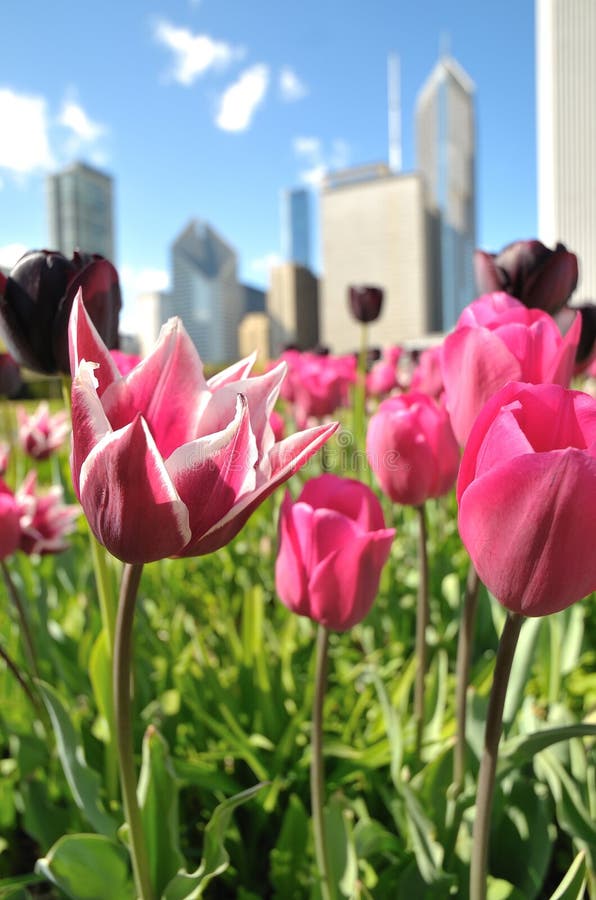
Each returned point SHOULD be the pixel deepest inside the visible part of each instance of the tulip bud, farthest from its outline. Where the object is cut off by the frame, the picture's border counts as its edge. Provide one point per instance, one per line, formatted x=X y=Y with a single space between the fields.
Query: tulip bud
x=36 y=300
x=365 y=302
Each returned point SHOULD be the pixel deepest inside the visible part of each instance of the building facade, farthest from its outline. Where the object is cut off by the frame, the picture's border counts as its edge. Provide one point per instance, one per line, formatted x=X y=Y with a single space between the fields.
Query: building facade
x=374 y=231
x=296 y=227
x=205 y=291
x=81 y=211
x=293 y=308
x=566 y=131
x=445 y=152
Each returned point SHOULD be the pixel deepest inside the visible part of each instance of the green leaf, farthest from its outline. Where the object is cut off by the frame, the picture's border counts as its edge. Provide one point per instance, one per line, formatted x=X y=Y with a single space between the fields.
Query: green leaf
x=84 y=782
x=517 y=751
x=100 y=675
x=88 y=867
x=288 y=856
x=191 y=885
x=520 y=669
x=573 y=885
x=343 y=863
x=427 y=850
x=158 y=800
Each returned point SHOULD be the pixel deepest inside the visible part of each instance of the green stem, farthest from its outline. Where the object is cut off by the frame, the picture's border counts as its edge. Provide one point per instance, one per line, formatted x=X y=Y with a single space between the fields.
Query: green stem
x=131 y=577
x=23 y=620
x=422 y=619
x=462 y=675
x=488 y=764
x=317 y=782
x=359 y=413
x=12 y=667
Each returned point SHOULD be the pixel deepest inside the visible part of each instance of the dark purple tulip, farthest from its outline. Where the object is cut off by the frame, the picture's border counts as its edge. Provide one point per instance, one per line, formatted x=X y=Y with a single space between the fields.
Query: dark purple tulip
x=36 y=300
x=10 y=376
x=365 y=302
x=528 y=270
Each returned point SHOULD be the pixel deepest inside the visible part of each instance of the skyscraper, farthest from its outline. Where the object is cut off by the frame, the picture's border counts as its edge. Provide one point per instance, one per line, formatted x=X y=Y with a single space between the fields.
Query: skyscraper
x=373 y=231
x=295 y=226
x=205 y=292
x=81 y=211
x=445 y=149
x=566 y=131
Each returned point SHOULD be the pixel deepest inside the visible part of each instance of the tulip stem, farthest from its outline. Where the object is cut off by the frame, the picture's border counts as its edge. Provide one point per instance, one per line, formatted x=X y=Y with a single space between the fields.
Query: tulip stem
x=422 y=618
x=131 y=577
x=462 y=676
x=488 y=764
x=317 y=781
x=14 y=669
x=359 y=416
x=23 y=620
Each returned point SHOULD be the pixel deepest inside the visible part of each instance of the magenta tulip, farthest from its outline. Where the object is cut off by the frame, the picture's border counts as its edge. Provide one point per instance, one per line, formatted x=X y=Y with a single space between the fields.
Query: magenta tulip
x=164 y=462
x=333 y=546
x=321 y=385
x=427 y=377
x=497 y=340
x=10 y=528
x=41 y=434
x=382 y=378
x=527 y=497
x=411 y=449
x=45 y=520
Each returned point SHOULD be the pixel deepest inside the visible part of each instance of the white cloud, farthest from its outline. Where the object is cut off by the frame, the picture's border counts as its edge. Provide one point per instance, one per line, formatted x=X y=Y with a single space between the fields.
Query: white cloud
x=265 y=263
x=141 y=281
x=25 y=145
x=241 y=100
x=74 y=117
x=290 y=86
x=318 y=162
x=10 y=255
x=194 y=54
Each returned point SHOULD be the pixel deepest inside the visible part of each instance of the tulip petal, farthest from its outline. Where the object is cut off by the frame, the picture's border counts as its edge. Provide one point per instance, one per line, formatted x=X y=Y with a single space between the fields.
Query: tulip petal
x=89 y=422
x=345 y=496
x=488 y=365
x=292 y=564
x=236 y=372
x=86 y=344
x=166 y=388
x=285 y=459
x=528 y=528
x=129 y=499
x=212 y=473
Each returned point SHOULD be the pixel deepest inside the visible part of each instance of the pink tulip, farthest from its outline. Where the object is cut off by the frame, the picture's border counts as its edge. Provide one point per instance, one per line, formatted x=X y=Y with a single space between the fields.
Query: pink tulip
x=278 y=425
x=411 y=449
x=427 y=377
x=40 y=433
x=382 y=378
x=527 y=497
x=321 y=385
x=497 y=340
x=125 y=362
x=164 y=462
x=333 y=545
x=45 y=520
x=10 y=529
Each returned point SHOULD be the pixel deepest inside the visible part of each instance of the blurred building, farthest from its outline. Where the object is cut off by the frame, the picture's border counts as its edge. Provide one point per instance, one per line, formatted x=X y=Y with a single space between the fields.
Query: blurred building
x=374 y=231
x=205 y=291
x=296 y=226
x=253 y=334
x=81 y=211
x=445 y=150
x=252 y=299
x=293 y=307
x=566 y=131
x=153 y=309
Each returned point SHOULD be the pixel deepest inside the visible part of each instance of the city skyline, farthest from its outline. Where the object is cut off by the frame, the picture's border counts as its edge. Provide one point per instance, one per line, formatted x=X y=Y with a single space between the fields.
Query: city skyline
x=211 y=109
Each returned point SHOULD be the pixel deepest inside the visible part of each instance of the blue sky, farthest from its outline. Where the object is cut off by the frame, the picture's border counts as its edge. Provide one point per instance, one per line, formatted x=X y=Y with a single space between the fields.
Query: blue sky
x=209 y=108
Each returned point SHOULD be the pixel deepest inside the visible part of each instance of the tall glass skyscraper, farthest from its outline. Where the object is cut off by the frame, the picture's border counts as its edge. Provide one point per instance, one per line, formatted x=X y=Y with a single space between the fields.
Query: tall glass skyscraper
x=81 y=211
x=295 y=226
x=445 y=149
x=205 y=292
x=566 y=131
